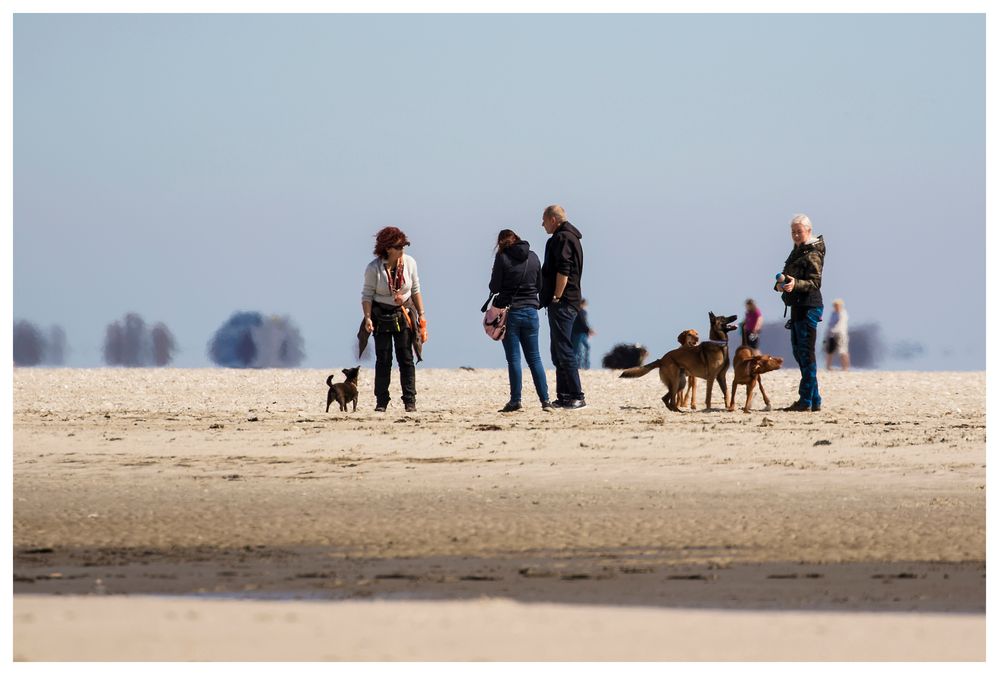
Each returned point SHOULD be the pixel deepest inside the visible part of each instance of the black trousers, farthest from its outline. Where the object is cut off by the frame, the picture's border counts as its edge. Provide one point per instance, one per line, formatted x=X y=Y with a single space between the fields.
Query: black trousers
x=403 y=341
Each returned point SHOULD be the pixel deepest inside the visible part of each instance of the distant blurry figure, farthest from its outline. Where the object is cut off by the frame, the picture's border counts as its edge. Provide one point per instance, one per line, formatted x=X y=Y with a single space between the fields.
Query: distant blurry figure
x=623 y=356
x=838 y=336
x=581 y=333
x=248 y=340
x=751 y=326
x=163 y=345
x=55 y=348
x=29 y=344
x=130 y=343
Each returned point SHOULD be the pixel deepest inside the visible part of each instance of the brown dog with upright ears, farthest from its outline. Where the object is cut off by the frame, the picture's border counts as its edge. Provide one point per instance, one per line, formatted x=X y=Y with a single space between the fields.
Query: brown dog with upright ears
x=707 y=360
x=343 y=392
x=747 y=369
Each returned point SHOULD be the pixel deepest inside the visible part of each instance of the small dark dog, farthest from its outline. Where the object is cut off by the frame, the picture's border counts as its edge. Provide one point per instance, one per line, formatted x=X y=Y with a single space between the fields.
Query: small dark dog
x=343 y=392
x=625 y=356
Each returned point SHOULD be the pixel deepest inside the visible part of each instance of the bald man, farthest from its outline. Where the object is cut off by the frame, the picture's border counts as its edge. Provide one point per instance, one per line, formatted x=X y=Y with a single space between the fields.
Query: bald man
x=561 y=293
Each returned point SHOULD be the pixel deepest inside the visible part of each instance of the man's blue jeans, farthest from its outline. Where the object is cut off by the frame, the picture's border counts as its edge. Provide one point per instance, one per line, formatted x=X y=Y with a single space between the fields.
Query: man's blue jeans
x=804 y=328
x=522 y=333
x=561 y=317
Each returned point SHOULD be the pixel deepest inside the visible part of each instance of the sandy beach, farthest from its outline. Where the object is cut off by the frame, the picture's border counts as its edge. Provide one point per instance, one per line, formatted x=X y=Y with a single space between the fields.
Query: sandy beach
x=235 y=492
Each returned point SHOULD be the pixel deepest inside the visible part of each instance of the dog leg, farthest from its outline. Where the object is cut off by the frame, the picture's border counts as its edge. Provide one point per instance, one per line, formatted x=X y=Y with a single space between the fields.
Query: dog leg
x=355 y=404
x=731 y=405
x=692 y=392
x=724 y=387
x=750 y=386
x=766 y=399
x=329 y=400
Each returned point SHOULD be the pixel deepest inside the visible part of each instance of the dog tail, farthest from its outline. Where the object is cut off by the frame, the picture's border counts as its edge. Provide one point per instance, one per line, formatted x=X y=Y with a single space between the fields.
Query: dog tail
x=329 y=381
x=641 y=370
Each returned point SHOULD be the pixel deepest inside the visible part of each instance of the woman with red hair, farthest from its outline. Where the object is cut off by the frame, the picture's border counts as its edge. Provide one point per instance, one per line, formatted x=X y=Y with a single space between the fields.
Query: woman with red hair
x=393 y=311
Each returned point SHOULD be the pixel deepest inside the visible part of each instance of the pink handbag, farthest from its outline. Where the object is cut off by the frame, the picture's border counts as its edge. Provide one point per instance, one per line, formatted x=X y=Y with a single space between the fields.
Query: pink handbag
x=494 y=322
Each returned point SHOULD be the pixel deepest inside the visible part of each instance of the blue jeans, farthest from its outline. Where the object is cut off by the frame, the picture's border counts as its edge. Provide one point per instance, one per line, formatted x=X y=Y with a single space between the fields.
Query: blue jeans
x=581 y=345
x=804 y=327
x=522 y=332
x=561 y=317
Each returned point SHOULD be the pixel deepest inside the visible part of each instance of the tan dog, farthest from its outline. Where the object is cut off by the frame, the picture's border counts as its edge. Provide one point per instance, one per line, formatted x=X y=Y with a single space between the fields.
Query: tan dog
x=747 y=368
x=688 y=338
x=707 y=360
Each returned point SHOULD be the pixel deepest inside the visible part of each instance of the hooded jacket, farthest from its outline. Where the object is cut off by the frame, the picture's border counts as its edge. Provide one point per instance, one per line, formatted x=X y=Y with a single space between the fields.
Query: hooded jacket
x=805 y=265
x=516 y=277
x=563 y=255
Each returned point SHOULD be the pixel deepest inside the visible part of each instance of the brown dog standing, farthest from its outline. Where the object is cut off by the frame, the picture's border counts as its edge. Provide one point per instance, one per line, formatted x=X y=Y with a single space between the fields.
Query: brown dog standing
x=747 y=369
x=707 y=360
x=343 y=392
x=688 y=338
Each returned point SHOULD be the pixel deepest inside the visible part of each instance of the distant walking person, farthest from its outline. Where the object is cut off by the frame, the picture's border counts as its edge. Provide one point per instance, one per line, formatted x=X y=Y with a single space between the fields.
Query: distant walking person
x=561 y=293
x=516 y=279
x=393 y=311
x=838 y=337
x=752 y=324
x=801 y=292
x=581 y=333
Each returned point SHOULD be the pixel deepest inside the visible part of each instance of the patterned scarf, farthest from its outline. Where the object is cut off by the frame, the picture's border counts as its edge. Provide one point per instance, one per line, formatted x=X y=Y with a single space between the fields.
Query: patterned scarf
x=400 y=278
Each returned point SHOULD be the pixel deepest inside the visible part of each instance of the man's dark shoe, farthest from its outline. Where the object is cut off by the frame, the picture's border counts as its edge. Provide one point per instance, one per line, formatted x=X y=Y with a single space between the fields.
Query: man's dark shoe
x=574 y=404
x=546 y=405
x=558 y=403
x=381 y=407
x=411 y=407
x=797 y=406
x=817 y=407
x=511 y=407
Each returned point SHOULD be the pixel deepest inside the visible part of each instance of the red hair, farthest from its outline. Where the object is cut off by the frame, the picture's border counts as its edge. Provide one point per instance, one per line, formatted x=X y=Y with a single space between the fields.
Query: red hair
x=506 y=238
x=389 y=237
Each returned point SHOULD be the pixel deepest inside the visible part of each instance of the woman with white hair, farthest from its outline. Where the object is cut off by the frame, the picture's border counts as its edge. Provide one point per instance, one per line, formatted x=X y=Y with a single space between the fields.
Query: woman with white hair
x=837 y=338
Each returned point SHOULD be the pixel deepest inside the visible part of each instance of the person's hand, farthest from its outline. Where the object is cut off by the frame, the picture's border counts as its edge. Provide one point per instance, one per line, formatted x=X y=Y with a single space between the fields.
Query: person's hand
x=368 y=326
x=423 y=329
x=789 y=286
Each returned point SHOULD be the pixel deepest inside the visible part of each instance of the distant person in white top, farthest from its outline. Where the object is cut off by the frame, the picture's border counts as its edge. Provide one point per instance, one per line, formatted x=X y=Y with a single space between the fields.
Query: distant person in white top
x=838 y=337
x=393 y=311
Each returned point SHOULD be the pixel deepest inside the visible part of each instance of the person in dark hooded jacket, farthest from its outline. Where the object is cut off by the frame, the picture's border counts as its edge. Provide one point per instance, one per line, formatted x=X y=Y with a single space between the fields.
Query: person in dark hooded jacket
x=562 y=293
x=801 y=291
x=516 y=280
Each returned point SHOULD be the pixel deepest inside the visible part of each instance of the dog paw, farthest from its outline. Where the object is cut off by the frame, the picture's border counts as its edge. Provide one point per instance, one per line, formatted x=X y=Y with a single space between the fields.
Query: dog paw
x=768 y=408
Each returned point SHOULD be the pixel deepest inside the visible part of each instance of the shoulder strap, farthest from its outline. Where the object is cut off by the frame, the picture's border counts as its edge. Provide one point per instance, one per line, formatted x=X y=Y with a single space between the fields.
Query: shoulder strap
x=527 y=264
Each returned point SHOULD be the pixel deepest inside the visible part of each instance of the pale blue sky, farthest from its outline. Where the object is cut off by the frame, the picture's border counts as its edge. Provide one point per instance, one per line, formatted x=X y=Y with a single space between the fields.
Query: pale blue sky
x=187 y=166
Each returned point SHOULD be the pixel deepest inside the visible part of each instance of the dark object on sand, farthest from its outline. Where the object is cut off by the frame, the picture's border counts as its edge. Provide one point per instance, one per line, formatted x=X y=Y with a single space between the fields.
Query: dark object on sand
x=625 y=356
